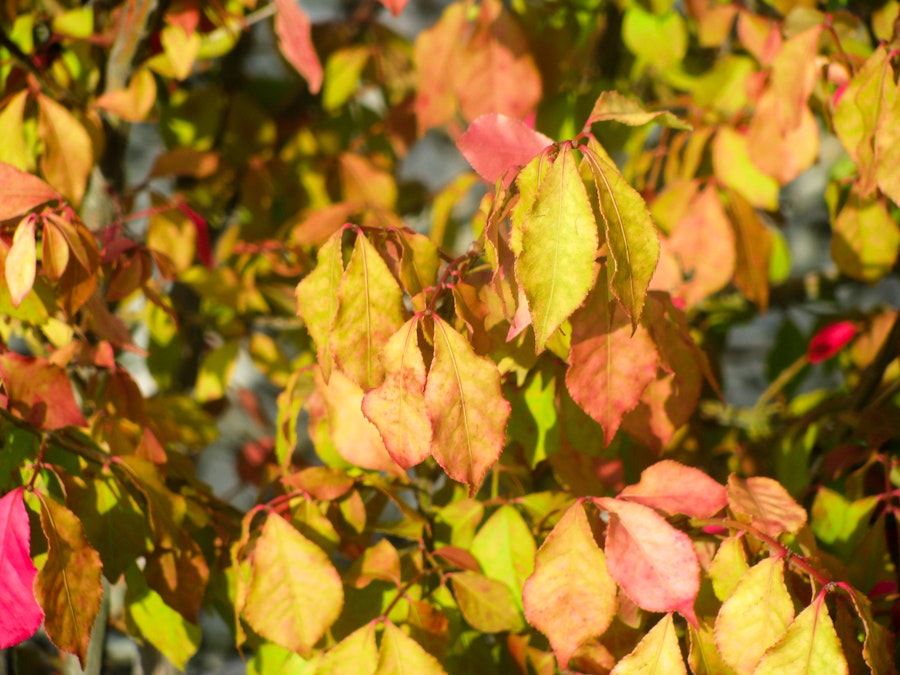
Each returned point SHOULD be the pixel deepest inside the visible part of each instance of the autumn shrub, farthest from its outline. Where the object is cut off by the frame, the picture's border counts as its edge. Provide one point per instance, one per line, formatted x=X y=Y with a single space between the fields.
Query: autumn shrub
x=486 y=419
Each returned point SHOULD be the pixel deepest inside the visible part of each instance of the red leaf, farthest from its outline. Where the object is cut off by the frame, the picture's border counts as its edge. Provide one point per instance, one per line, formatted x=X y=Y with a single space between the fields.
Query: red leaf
x=204 y=248
x=39 y=392
x=395 y=6
x=20 y=192
x=20 y=615
x=495 y=145
x=830 y=340
x=295 y=41
x=654 y=563
x=675 y=488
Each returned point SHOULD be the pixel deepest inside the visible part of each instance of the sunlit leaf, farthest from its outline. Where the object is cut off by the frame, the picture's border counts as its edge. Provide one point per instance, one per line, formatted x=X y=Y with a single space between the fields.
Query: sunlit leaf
x=611 y=106
x=397 y=406
x=728 y=567
x=657 y=653
x=290 y=608
x=21 y=261
x=466 y=405
x=497 y=145
x=356 y=653
x=865 y=239
x=571 y=596
x=754 y=249
x=675 y=488
x=20 y=192
x=810 y=646
x=486 y=604
x=559 y=245
x=755 y=616
x=295 y=41
x=654 y=563
x=317 y=299
x=767 y=504
x=20 y=614
x=68 y=587
x=401 y=655
x=734 y=168
x=504 y=547
x=39 y=392
x=69 y=155
x=14 y=150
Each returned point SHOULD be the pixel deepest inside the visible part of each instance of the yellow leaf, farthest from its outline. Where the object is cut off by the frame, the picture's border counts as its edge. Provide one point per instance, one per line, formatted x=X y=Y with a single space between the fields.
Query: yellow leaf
x=13 y=149
x=21 y=261
x=657 y=653
x=134 y=103
x=68 y=153
x=401 y=655
x=181 y=48
x=810 y=646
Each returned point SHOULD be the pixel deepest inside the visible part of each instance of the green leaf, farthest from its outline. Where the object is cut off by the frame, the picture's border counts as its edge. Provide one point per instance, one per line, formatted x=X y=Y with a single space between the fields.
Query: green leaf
x=865 y=239
x=533 y=422
x=611 y=106
x=466 y=406
x=397 y=406
x=317 y=299
x=68 y=587
x=342 y=73
x=657 y=652
x=486 y=604
x=657 y=39
x=369 y=312
x=839 y=523
x=571 y=596
x=555 y=266
x=401 y=655
x=295 y=593
x=631 y=234
x=504 y=547
x=151 y=618
x=810 y=646
x=755 y=616
x=356 y=653
x=269 y=659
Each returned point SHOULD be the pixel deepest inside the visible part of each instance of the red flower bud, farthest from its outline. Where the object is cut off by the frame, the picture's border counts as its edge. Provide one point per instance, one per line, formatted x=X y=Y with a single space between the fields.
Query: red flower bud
x=830 y=340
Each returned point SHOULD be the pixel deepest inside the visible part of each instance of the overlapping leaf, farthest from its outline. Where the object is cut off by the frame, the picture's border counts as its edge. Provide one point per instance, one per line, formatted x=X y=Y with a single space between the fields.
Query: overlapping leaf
x=401 y=655
x=20 y=192
x=675 y=488
x=810 y=646
x=657 y=653
x=317 y=299
x=39 y=392
x=496 y=145
x=69 y=155
x=766 y=503
x=466 y=406
x=21 y=261
x=20 y=614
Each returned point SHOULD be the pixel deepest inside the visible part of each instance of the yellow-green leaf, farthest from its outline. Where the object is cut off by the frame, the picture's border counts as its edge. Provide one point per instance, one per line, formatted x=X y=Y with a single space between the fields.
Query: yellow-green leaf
x=397 y=406
x=215 y=371
x=466 y=406
x=401 y=655
x=68 y=587
x=486 y=604
x=728 y=567
x=631 y=234
x=504 y=547
x=571 y=596
x=611 y=106
x=317 y=299
x=657 y=653
x=810 y=646
x=370 y=311
x=865 y=239
x=295 y=593
x=559 y=243
x=357 y=653
x=342 y=72
x=755 y=616
x=12 y=130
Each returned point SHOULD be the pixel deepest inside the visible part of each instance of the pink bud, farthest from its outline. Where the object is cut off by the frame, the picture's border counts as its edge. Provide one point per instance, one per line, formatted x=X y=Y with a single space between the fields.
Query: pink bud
x=830 y=340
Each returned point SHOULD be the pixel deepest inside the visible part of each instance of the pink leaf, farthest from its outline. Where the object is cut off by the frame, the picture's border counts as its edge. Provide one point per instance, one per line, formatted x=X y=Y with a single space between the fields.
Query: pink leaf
x=675 y=488
x=830 y=340
x=295 y=41
x=654 y=563
x=20 y=615
x=20 y=192
x=495 y=145
x=395 y=6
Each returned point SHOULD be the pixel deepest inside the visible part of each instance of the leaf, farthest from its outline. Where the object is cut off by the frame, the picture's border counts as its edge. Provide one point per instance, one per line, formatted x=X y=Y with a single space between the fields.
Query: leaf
x=14 y=150
x=379 y=562
x=865 y=239
x=878 y=647
x=215 y=371
x=675 y=488
x=395 y=6
x=704 y=657
x=609 y=367
x=369 y=312
x=134 y=103
x=810 y=646
x=631 y=234
x=317 y=299
x=466 y=406
x=657 y=652
x=754 y=250
x=20 y=192
x=755 y=616
x=559 y=244
x=397 y=406
x=728 y=567
x=657 y=39
x=20 y=614
x=55 y=252
x=181 y=46
x=295 y=593
x=149 y=616
x=21 y=261
x=768 y=505
x=69 y=155
x=570 y=597
x=356 y=653
x=487 y=605
x=654 y=563
x=342 y=73
x=733 y=168
x=295 y=41
x=611 y=106
x=68 y=587
x=39 y=392
x=830 y=340
x=496 y=146
x=401 y=655
x=504 y=548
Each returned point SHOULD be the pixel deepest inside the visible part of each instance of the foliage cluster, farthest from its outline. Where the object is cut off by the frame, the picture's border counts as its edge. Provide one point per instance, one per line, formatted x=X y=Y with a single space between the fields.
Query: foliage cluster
x=500 y=443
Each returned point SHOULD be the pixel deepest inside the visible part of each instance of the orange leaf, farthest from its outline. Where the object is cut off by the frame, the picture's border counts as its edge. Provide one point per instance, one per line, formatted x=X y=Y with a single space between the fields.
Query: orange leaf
x=467 y=409
x=769 y=506
x=20 y=192
x=21 y=261
x=295 y=41
x=69 y=155
x=39 y=392
x=654 y=563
